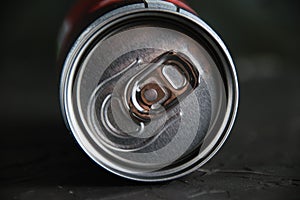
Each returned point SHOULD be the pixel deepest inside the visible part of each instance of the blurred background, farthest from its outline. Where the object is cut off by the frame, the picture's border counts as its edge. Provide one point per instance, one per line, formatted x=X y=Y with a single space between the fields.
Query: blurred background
x=260 y=160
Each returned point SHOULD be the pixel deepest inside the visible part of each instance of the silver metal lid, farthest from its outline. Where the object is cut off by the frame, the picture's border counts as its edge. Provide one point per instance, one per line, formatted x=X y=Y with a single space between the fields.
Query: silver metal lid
x=149 y=93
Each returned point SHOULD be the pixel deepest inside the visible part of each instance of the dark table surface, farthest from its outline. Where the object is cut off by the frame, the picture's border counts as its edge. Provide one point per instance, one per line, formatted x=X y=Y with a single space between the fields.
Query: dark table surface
x=260 y=160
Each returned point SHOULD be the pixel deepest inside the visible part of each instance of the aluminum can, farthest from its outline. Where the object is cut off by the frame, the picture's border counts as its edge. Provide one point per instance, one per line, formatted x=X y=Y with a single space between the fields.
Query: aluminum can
x=148 y=89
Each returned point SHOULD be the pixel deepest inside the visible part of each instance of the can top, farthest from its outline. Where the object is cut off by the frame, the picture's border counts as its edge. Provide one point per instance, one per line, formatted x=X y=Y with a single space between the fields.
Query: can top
x=150 y=93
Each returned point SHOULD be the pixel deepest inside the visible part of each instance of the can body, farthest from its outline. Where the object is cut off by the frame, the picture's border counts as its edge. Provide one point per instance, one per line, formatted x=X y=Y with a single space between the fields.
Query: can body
x=85 y=12
x=148 y=90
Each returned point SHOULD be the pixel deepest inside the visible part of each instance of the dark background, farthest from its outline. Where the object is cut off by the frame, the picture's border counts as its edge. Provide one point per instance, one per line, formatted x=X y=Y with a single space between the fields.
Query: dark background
x=260 y=160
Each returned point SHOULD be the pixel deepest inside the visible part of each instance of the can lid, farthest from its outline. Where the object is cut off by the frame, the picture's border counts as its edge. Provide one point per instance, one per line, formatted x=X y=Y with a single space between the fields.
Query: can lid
x=149 y=94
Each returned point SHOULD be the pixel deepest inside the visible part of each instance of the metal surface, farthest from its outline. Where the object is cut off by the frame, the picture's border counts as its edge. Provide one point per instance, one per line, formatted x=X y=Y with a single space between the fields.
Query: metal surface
x=95 y=73
x=260 y=160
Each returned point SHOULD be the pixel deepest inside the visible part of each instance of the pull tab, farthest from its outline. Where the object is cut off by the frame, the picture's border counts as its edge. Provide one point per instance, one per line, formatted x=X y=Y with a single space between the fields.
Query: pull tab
x=166 y=80
x=123 y=106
